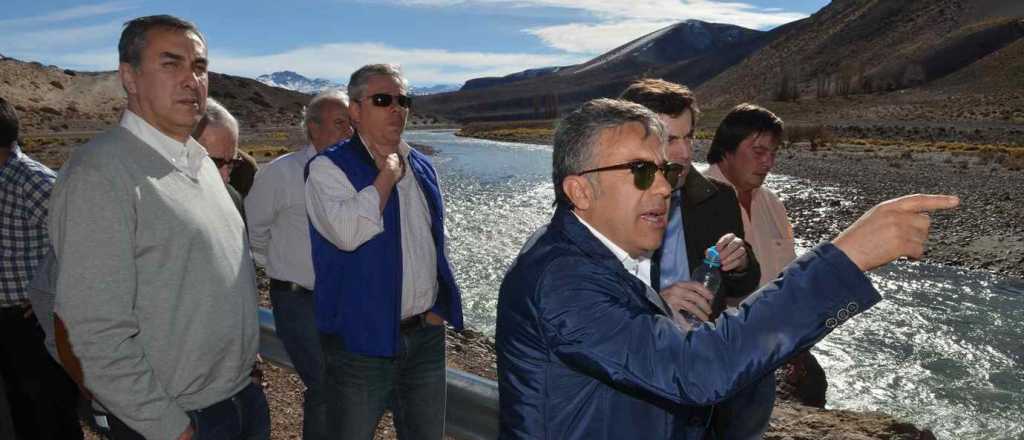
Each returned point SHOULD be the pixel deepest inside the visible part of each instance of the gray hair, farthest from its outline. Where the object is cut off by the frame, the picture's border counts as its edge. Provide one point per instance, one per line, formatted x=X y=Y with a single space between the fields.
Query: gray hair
x=311 y=112
x=218 y=115
x=133 y=37
x=357 y=83
x=576 y=137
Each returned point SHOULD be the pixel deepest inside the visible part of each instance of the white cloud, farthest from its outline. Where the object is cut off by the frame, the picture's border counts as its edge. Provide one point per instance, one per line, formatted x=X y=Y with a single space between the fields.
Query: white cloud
x=616 y=23
x=594 y=38
x=78 y=12
x=422 y=66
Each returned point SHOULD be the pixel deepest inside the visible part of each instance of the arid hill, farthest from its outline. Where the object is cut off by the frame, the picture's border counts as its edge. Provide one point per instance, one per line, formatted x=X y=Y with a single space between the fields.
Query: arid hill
x=50 y=99
x=690 y=52
x=922 y=70
x=60 y=108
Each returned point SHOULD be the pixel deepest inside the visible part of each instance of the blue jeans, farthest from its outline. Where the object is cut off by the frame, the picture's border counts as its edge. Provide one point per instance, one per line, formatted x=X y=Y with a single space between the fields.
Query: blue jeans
x=746 y=415
x=412 y=384
x=296 y=327
x=244 y=416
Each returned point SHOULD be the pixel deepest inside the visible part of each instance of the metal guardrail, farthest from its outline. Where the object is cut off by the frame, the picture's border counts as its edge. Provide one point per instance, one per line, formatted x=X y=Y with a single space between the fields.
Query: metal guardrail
x=472 y=404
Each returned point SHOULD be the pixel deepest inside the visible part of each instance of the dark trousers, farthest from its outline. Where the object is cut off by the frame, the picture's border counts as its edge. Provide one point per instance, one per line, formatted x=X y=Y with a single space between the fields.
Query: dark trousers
x=244 y=416
x=296 y=327
x=41 y=396
x=6 y=423
x=412 y=384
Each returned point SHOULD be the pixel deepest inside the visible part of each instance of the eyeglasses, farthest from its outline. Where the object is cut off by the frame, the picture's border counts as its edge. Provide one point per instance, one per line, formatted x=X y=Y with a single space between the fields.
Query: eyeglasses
x=385 y=100
x=230 y=163
x=643 y=172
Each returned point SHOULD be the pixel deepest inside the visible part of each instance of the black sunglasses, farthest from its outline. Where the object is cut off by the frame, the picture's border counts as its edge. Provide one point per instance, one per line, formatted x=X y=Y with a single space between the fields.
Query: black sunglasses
x=221 y=162
x=643 y=172
x=385 y=100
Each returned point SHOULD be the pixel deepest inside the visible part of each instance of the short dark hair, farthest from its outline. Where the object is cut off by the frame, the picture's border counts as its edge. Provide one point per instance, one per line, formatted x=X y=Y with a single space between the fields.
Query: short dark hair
x=8 y=124
x=574 y=139
x=741 y=122
x=133 y=37
x=664 y=97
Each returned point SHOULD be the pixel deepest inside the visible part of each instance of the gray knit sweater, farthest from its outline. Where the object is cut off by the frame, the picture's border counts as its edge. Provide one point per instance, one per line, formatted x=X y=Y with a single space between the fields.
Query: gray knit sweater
x=155 y=283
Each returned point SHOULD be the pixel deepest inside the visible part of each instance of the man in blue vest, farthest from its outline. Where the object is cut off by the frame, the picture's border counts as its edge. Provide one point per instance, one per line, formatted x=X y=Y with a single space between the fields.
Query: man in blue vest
x=384 y=286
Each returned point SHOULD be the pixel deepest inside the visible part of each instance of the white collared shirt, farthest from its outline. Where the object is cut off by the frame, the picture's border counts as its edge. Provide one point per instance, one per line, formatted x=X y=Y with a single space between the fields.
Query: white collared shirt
x=278 y=225
x=187 y=157
x=348 y=218
x=638 y=267
x=766 y=228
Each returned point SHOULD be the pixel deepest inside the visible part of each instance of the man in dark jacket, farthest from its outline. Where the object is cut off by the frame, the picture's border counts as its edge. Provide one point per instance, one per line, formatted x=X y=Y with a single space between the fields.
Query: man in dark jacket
x=587 y=349
x=704 y=212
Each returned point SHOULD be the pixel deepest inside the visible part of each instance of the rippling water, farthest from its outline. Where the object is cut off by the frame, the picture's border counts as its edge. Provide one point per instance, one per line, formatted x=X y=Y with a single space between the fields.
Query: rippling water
x=944 y=350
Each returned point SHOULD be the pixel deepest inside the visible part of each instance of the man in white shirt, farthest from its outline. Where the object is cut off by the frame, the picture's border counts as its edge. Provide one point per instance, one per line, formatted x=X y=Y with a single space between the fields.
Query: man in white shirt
x=155 y=281
x=279 y=235
x=741 y=155
x=384 y=286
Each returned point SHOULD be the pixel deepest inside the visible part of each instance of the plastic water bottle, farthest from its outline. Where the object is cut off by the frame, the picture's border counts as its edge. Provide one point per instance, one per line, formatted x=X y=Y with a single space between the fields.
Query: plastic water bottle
x=710 y=273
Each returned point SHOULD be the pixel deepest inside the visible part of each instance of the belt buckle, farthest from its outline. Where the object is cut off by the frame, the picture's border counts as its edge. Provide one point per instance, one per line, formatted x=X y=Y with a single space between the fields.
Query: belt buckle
x=411 y=323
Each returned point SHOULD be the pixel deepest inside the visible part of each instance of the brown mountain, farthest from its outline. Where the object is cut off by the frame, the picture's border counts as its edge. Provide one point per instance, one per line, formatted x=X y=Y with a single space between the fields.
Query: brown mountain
x=915 y=69
x=50 y=99
x=690 y=52
x=856 y=47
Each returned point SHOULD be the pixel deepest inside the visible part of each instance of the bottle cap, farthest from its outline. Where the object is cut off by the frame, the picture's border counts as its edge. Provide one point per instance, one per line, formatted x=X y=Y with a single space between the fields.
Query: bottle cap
x=712 y=258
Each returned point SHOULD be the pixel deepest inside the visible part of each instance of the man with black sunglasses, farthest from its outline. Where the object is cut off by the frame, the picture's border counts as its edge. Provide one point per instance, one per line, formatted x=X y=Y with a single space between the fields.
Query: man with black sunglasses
x=384 y=286
x=588 y=349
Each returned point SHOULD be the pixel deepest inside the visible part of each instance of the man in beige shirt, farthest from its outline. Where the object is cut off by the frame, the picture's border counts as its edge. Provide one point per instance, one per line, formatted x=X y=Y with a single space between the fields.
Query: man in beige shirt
x=742 y=154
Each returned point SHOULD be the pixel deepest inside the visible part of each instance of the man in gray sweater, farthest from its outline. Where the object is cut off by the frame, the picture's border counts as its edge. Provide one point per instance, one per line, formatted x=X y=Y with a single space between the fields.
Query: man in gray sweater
x=155 y=284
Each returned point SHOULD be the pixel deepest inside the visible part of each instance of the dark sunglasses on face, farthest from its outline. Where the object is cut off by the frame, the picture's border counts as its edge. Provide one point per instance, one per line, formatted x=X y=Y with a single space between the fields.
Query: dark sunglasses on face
x=643 y=172
x=221 y=162
x=385 y=100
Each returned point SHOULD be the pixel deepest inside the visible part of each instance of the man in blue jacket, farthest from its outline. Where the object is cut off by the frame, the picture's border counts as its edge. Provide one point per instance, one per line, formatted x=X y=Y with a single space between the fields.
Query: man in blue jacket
x=587 y=349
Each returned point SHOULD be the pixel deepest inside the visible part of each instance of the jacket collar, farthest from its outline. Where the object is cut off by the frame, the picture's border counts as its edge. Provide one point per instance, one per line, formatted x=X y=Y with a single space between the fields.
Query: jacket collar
x=577 y=233
x=565 y=222
x=697 y=188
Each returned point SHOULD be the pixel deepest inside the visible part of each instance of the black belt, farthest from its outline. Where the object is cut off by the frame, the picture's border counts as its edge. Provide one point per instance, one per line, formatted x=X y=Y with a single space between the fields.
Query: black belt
x=413 y=323
x=287 y=285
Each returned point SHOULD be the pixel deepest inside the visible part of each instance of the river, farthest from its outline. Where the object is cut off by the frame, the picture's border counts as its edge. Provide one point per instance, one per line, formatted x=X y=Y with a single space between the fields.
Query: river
x=944 y=350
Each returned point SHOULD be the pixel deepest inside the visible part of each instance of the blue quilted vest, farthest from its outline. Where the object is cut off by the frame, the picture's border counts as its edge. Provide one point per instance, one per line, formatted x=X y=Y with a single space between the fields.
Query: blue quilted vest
x=358 y=294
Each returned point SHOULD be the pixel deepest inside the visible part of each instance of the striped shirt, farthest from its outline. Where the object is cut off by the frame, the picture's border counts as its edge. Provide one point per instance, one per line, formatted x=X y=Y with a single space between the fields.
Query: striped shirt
x=24 y=194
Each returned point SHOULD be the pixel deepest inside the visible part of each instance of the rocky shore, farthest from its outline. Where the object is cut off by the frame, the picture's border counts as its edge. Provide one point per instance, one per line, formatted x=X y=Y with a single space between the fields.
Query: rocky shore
x=985 y=233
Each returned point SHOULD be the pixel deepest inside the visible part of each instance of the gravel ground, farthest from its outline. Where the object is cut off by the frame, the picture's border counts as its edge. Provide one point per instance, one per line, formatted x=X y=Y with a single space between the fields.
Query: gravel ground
x=985 y=233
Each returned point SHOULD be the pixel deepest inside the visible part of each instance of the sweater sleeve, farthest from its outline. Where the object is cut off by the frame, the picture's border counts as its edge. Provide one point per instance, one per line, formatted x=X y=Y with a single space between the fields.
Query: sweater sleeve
x=92 y=224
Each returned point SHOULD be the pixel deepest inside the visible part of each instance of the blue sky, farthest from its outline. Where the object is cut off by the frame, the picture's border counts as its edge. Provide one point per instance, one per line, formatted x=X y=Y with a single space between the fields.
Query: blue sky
x=436 y=41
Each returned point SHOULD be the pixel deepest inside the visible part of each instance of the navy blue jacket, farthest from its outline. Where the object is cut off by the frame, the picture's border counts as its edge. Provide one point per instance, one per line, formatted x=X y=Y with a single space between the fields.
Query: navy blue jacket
x=584 y=353
x=358 y=294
